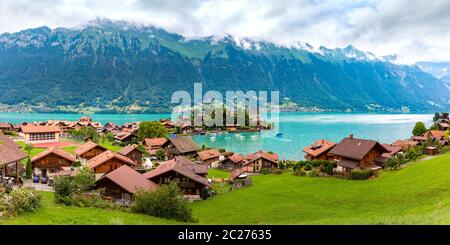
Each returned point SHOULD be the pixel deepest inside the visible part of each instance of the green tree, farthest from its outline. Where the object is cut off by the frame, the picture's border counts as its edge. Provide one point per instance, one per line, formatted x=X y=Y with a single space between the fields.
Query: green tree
x=160 y=155
x=63 y=190
x=152 y=130
x=419 y=129
x=84 y=180
x=436 y=116
x=29 y=169
x=141 y=148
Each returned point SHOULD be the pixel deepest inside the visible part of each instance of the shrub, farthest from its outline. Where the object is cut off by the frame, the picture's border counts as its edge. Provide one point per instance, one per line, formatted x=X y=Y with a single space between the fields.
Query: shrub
x=166 y=202
x=328 y=167
x=313 y=173
x=19 y=201
x=84 y=180
x=204 y=194
x=361 y=174
x=76 y=164
x=299 y=172
x=63 y=190
x=91 y=199
x=29 y=169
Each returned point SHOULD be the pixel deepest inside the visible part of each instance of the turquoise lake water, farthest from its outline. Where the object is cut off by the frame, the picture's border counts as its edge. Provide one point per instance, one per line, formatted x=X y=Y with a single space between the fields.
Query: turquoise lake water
x=299 y=129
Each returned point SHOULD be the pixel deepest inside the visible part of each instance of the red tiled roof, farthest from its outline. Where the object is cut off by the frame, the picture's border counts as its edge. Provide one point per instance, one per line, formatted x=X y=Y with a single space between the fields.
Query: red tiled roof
x=127 y=149
x=129 y=179
x=437 y=134
x=106 y=156
x=87 y=147
x=355 y=149
x=236 y=158
x=6 y=125
x=122 y=135
x=236 y=173
x=173 y=165
x=273 y=157
x=9 y=151
x=39 y=129
x=319 y=147
x=155 y=142
x=208 y=154
x=405 y=143
x=56 y=151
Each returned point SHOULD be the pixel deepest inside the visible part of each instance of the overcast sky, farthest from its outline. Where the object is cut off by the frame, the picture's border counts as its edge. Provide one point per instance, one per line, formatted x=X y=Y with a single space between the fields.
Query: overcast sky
x=417 y=30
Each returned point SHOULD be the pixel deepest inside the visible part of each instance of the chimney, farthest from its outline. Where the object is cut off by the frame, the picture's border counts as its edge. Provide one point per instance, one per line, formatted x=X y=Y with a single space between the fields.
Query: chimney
x=351 y=136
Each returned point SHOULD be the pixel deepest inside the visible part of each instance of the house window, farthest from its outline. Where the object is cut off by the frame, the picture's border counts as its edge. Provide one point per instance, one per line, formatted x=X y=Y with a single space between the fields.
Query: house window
x=42 y=136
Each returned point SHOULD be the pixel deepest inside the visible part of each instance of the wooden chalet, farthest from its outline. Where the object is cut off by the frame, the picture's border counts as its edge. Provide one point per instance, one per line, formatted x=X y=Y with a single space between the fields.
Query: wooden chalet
x=356 y=154
x=125 y=137
x=232 y=162
x=132 y=152
x=153 y=145
x=88 y=151
x=109 y=161
x=180 y=146
x=405 y=144
x=208 y=157
x=121 y=184
x=319 y=150
x=5 y=127
x=443 y=124
x=52 y=161
x=431 y=150
x=40 y=134
x=175 y=171
x=393 y=151
x=255 y=162
x=10 y=157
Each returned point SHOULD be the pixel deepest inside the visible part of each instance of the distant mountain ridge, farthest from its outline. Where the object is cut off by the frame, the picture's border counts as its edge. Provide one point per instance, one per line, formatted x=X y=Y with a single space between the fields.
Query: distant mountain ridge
x=118 y=67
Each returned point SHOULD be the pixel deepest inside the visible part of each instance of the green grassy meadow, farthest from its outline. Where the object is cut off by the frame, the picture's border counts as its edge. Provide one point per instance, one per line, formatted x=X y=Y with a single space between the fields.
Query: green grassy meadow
x=417 y=194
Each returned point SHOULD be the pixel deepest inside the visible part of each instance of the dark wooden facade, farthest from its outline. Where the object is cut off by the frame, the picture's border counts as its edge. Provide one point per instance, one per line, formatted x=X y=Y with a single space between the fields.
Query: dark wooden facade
x=51 y=163
x=136 y=156
x=113 y=191
x=109 y=165
x=93 y=153
x=187 y=185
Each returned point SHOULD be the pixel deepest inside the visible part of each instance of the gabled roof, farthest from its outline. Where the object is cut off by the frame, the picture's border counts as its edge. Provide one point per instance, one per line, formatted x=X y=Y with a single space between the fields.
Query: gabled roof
x=208 y=154
x=269 y=156
x=39 y=129
x=194 y=167
x=9 y=151
x=87 y=147
x=155 y=142
x=393 y=149
x=174 y=165
x=405 y=143
x=129 y=179
x=436 y=134
x=236 y=158
x=123 y=136
x=106 y=156
x=355 y=149
x=183 y=144
x=127 y=149
x=319 y=147
x=57 y=151
x=6 y=125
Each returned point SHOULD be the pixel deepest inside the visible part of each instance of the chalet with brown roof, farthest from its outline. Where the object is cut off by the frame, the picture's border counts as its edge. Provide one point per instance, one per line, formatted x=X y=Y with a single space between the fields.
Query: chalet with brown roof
x=180 y=146
x=40 y=134
x=132 y=152
x=405 y=144
x=52 y=161
x=152 y=145
x=196 y=168
x=257 y=161
x=121 y=184
x=208 y=157
x=88 y=151
x=10 y=155
x=185 y=176
x=419 y=139
x=356 y=154
x=6 y=126
x=319 y=150
x=109 y=161
x=125 y=137
x=232 y=162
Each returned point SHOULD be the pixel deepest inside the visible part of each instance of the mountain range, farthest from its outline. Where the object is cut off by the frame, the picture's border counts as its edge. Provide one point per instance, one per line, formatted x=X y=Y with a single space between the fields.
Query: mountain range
x=118 y=67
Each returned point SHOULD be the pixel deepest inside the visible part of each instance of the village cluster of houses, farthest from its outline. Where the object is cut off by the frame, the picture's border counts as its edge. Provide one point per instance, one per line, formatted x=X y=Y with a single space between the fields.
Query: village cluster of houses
x=359 y=154
x=122 y=173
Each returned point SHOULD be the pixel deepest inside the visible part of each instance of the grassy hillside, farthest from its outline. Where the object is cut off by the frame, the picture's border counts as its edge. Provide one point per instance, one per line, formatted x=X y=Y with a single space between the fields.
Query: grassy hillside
x=417 y=194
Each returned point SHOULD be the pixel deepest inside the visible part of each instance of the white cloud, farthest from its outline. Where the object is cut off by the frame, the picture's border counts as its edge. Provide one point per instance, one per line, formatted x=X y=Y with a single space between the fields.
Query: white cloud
x=415 y=30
